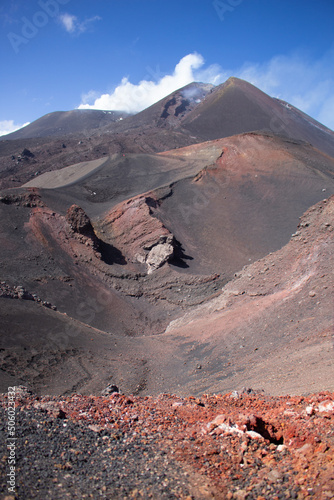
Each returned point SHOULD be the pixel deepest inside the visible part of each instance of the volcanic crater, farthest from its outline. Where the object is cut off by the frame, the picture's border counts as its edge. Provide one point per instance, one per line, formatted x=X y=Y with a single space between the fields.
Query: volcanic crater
x=185 y=250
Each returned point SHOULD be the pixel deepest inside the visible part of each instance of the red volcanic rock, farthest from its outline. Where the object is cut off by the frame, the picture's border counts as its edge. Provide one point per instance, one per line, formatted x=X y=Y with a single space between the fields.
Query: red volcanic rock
x=79 y=221
x=212 y=447
x=142 y=238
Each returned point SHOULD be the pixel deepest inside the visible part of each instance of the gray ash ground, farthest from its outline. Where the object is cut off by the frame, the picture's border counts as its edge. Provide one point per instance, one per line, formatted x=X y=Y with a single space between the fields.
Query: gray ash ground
x=57 y=459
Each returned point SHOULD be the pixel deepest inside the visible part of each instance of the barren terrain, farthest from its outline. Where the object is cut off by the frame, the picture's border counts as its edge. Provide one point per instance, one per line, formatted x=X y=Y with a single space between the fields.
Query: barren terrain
x=236 y=446
x=176 y=256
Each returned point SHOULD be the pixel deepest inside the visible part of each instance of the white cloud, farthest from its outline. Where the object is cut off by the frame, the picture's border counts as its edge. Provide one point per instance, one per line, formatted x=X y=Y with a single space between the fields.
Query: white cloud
x=133 y=98
x=296 y=78
x=213 y=74
x=74 y=26
x=69 y=22
x=8 y=126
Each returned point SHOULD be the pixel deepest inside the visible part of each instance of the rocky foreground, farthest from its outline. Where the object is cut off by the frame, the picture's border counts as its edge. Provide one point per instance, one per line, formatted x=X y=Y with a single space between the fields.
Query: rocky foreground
x=235 y=446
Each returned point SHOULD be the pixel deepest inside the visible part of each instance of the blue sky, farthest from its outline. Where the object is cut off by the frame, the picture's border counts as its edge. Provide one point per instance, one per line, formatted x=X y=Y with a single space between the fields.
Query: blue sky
x=114 y=54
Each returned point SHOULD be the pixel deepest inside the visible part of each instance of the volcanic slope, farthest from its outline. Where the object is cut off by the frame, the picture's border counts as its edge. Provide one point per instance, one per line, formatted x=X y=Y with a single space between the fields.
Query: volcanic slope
x=236 y=106
x=87 y=293
x=227 y=202
x=60 y=139
x=247 y=202
x=269 y=328
x=166 y=113
x=62 y=123
x=272 y=325
x=193 y=114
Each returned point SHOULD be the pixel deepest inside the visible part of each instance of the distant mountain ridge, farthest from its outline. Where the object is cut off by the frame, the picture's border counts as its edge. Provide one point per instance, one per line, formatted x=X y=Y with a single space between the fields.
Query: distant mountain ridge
x=199 y=111
x=165 y=113
x=60 y=123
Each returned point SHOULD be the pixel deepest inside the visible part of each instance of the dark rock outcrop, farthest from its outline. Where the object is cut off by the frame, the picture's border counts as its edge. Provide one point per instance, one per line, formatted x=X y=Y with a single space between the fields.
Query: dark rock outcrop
x=81 y=225
x=79 y=221
x=26 y=153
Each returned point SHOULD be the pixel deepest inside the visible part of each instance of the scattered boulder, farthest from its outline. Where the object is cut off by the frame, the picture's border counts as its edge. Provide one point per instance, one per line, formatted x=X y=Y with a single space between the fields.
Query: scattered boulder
x=21 y=391
x=110 y=389
x=22 y=293
x=19 y=292
x=79 y=221
x=26 y=153
x=30 y=200
x=51 y=409
x=160 y=253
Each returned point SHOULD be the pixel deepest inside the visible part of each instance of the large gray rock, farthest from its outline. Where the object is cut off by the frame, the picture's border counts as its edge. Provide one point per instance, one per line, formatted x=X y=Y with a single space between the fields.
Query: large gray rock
x=160 y=253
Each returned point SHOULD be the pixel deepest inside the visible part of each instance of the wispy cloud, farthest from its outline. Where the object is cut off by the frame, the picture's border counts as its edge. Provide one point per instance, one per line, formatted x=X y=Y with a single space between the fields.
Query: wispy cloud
x=75 y=27
x=307 y=84
x=297 y=78
x=8 y=126
x=90 y=96
x=68 y=21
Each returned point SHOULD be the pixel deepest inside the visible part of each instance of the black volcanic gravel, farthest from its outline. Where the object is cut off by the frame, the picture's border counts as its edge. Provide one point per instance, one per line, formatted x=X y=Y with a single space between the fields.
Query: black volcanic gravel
x=57 y=458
